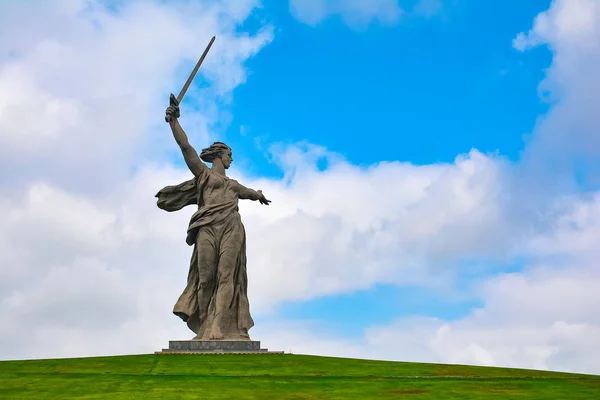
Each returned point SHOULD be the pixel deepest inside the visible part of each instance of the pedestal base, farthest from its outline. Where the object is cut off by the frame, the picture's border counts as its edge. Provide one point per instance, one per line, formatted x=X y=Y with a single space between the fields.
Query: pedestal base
x=215 y=347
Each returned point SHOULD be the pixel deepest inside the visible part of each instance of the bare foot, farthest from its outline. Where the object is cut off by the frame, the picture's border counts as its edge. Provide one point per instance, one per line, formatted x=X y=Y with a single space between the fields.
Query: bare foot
x=215 y=334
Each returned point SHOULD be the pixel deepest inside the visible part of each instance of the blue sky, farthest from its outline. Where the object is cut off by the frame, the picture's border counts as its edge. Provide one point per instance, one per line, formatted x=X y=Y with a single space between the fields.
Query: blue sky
x=422 y=91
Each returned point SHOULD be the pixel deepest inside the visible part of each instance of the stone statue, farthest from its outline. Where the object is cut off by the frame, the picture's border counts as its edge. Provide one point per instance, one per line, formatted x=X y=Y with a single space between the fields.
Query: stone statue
x=215 y=301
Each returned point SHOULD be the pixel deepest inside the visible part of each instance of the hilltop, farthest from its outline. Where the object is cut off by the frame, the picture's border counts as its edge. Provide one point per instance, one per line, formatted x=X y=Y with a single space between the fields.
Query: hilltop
x=276 y=376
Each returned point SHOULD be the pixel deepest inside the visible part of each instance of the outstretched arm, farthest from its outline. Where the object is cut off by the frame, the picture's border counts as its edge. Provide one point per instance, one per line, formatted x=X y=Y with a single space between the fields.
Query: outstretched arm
x=250 y=194
x=189 y=153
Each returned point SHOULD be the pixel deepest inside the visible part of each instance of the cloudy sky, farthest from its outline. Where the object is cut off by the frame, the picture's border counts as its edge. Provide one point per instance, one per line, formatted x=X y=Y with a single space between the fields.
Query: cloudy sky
x=433 y=166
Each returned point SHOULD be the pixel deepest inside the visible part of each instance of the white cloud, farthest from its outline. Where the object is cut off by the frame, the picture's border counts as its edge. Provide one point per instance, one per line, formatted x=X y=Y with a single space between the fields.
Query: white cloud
x=569 y=135
x=356 y=13
x=390 y=223
x=565 y=24
x=360 y=13
x=545 y=317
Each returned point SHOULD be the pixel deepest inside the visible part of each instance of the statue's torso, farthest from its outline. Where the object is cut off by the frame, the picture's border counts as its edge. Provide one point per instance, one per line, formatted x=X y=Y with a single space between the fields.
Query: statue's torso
x=218 y=189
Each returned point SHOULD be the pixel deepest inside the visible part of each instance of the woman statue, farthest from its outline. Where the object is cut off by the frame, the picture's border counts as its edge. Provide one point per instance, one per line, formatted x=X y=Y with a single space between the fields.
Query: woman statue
x=215 y=301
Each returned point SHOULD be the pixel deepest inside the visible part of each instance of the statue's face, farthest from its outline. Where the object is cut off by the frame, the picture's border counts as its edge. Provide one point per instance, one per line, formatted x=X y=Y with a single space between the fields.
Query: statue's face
x=227 y=158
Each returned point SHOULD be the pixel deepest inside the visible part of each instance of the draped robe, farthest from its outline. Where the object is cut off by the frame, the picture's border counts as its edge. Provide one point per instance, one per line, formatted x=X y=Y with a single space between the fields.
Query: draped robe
x=215 y=298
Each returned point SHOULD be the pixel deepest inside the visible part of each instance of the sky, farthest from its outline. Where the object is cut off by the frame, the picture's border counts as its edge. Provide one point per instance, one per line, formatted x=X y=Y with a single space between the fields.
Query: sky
x=432 y=165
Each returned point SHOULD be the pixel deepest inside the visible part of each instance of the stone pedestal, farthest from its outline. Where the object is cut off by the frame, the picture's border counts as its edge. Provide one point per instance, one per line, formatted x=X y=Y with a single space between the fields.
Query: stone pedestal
x=215 y=347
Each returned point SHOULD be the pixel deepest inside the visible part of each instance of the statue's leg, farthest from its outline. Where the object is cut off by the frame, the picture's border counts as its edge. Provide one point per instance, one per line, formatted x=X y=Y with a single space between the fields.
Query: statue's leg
x=226 y=307
x=207 y=264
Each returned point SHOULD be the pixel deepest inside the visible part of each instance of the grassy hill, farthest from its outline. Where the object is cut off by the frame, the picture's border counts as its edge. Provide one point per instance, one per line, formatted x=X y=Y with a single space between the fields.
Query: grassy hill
x=278 y=377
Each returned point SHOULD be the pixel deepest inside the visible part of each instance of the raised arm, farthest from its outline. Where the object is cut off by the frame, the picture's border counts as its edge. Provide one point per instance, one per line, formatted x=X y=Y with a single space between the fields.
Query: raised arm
x=189 y=153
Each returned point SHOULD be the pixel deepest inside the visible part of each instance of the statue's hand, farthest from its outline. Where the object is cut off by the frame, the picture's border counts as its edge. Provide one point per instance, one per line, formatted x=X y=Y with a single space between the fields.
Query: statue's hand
x=263 y=199
x=172 y=112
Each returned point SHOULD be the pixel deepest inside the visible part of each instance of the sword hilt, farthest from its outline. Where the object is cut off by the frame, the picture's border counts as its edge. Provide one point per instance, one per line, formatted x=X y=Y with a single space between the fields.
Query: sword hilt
x=172 y=102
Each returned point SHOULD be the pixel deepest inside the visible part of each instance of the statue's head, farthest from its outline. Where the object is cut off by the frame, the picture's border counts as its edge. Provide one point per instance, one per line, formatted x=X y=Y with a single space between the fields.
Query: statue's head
x=217 y=150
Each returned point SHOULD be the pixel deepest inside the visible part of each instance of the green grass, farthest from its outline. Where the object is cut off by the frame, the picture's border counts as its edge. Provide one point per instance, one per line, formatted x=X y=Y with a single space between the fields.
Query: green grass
x=278 y=377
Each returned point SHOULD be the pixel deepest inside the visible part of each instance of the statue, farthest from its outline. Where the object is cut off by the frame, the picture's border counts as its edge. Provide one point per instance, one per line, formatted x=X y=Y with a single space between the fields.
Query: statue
x=214 y=303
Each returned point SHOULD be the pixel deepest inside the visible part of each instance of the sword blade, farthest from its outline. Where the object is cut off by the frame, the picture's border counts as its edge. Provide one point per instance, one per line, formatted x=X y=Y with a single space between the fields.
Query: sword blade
x=193 y=74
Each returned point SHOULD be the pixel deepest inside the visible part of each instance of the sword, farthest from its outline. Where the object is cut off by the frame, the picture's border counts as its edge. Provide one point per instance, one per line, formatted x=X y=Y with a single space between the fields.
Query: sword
x=176 y=101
